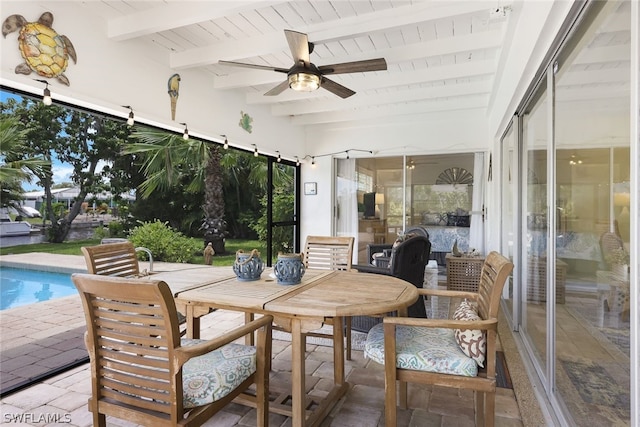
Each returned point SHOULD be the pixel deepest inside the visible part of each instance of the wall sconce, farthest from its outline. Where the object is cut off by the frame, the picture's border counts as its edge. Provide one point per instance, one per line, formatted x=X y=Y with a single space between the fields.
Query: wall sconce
x=279 y=159
x=226 y=142
x=46 y=96
x=255 y=150
x=131 y=118
x=185 y=134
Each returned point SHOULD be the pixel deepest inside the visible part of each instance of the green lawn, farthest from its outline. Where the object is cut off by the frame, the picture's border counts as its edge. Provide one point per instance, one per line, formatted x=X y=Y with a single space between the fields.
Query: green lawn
x=73 y=248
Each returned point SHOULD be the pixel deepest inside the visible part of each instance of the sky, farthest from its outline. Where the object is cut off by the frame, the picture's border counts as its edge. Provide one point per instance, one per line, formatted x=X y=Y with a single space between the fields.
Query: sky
x=61 y=171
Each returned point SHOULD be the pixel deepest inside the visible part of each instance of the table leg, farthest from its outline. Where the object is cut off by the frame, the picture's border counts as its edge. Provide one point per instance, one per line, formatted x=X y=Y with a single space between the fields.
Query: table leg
x=298 y=344
x=249 y=339
x=338 y=351
x=193 y=322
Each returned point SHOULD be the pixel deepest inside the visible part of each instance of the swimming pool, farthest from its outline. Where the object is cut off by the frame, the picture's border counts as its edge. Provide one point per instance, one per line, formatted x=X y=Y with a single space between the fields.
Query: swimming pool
x=21 y=287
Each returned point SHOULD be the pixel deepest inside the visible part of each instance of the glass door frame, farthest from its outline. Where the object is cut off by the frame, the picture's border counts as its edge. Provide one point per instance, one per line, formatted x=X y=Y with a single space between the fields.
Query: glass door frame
x=295 y=220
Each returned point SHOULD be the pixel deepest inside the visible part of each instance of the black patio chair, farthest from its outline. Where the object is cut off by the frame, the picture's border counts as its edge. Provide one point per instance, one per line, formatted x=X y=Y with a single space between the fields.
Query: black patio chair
x=407 y=262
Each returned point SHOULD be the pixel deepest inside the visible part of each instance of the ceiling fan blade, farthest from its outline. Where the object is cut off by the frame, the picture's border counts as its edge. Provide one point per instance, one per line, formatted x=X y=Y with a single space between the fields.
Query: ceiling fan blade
x=255 y=66
x=299 y=45
x=378 y=64
x=278 y=89
x=335 y=88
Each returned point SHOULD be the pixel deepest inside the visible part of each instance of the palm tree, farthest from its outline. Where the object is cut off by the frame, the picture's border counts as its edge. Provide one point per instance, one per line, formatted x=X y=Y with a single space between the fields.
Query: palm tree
x=168 y=160
x=14 y=167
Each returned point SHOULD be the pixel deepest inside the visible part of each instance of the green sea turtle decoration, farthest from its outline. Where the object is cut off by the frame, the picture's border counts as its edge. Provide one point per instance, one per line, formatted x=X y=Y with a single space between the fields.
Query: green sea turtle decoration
x=245 y=122
x=44 y=50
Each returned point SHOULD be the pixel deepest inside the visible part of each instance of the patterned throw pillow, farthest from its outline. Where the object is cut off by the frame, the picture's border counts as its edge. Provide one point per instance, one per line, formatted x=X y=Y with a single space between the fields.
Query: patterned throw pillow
x=472 y=342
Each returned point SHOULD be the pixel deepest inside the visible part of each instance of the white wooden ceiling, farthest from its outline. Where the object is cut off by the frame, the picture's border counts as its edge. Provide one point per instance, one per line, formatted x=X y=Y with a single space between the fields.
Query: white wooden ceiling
x=440 y=55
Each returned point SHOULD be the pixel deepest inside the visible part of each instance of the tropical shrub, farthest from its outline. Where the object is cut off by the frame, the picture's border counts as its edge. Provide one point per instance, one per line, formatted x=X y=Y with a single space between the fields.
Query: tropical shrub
x=165 y=243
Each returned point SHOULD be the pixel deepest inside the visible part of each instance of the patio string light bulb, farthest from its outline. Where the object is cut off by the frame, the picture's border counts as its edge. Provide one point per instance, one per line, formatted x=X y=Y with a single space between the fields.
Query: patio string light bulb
x=279 y=159
x=226 y=142
x=46 y=96
x=131 y=118
x=297 y=161
x=185 y=134
x=255 y=150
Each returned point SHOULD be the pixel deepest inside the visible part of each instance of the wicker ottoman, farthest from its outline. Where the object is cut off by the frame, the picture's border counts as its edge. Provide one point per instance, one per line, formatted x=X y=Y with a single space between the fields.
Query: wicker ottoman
x=463 y=273
x=537 y=280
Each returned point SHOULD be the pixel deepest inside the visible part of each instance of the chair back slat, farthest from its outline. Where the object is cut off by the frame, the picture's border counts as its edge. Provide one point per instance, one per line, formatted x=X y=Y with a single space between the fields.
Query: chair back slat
x=112 y=259
x=494 y=274
x=132 y=333
x=328 y=253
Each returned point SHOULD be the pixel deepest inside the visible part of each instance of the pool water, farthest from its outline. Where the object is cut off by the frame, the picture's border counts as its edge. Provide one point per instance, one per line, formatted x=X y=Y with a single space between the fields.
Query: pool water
x=21 y=287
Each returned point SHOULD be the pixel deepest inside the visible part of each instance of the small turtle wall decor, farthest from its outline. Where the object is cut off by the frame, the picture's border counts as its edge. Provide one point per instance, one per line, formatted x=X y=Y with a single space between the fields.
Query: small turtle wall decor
x=245 y=122
x=44 y=50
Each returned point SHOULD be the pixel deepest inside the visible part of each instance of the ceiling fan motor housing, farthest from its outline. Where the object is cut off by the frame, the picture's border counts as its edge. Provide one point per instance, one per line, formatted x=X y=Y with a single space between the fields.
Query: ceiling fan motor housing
x=304 y=78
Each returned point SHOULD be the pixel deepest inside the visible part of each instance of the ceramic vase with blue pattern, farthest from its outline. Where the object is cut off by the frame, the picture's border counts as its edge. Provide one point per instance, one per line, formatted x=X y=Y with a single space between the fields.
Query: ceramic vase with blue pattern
x=289 y=269
x=248 y=266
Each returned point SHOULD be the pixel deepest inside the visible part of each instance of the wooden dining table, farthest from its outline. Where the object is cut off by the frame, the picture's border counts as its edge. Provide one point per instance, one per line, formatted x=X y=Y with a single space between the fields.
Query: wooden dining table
x=300 y=308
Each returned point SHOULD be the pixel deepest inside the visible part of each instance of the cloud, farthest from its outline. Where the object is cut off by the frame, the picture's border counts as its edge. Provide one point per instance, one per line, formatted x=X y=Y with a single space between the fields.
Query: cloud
x=61 y=173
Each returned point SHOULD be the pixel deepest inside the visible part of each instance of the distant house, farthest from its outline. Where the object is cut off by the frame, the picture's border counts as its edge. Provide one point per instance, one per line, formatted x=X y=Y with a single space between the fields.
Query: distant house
x=35 y=199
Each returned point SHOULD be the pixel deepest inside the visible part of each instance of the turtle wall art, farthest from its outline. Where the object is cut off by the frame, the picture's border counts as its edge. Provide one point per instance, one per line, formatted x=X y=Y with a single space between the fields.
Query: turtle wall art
x=44 y=50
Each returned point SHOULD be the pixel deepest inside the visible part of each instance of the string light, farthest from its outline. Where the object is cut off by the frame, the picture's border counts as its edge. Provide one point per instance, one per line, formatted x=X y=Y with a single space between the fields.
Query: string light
x=46 y=96
x=337 y=152
x=297 y=161
x=279 y=159
x=131 y=118
x=226 y=142
x=255 y=151
x=185 y=134
x=313 y=160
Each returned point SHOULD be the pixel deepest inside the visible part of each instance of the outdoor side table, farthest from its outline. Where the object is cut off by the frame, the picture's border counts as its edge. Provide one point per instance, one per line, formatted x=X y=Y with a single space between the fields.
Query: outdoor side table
x=463 y=272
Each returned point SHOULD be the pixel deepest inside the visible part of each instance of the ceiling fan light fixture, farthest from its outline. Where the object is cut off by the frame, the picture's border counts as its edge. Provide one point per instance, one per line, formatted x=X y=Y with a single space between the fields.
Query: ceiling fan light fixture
x=304 y=82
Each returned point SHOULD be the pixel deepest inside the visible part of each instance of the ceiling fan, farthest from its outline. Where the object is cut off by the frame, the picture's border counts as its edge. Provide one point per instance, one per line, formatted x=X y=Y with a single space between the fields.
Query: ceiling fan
x=304 y=76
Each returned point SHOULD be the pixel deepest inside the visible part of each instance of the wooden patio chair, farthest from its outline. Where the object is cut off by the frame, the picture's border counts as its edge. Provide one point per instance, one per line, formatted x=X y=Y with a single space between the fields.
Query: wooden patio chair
x=119 y=259
x=141 y=370
x=330 y=253
x=445 y=352
x=113 y=259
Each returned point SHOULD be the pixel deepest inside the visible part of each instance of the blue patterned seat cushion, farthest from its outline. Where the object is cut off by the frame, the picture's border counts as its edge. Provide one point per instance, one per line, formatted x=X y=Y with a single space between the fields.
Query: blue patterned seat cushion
x=214 y=375
x=422 y=349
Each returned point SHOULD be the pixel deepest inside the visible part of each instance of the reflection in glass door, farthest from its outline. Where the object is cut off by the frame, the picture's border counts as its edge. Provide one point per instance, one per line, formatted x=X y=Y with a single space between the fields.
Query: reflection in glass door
x=509 y=210
x=592 y=364
x=534 y=207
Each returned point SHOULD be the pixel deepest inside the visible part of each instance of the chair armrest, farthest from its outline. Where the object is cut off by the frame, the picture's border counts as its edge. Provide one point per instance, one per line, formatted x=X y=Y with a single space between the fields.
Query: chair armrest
x=374 y=248
x=371 y=269
x=447 y=293
x=185 y=353
x=489 y=324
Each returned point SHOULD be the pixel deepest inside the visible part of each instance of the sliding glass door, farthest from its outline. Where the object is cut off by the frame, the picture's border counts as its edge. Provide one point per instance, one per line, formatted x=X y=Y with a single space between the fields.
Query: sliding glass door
x=572 y=158
x=592 y=173
x=379 y=198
